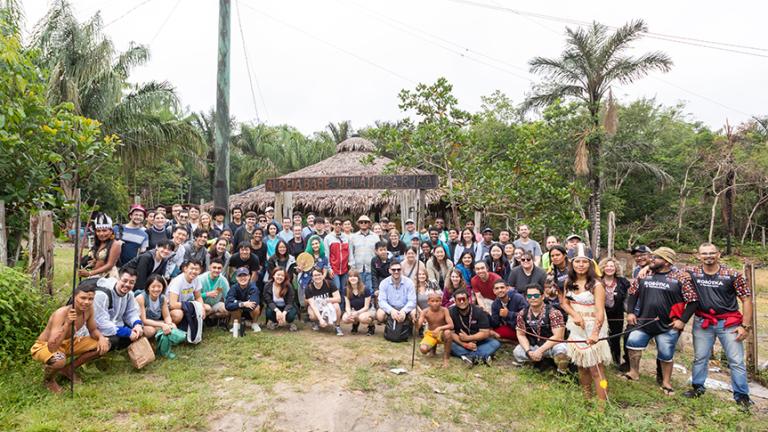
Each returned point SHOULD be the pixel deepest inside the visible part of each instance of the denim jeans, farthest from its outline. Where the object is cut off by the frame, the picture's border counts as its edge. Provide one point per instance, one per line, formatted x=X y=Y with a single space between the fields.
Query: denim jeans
x=366 y=278
x=665 y=343
x=340 y=281
x=522 y=357
x=289 y=317
x=703 y=339
x=485 y=348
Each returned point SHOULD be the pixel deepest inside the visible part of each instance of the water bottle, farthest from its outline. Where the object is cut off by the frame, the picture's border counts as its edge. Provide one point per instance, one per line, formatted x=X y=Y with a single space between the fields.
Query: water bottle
x=236 y=329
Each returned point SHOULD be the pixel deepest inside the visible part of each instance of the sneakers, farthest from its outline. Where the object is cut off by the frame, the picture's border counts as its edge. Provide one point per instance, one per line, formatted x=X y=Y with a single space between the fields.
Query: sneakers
x=470 y=362
x=371 y=330
x=695 y=392
x=293 y=328
x=338 y=331
x=315 y=326
x=488 y=361
x=745 y=403
x=271 y=325
x=355 y=328
x=255 y=327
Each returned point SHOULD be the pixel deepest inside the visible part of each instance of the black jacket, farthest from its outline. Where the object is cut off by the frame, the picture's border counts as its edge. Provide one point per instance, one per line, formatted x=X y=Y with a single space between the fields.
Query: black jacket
x=143 y=264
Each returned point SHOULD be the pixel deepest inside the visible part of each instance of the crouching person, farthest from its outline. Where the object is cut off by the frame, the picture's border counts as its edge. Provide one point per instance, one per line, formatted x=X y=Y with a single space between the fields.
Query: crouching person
x=472 y=341
x=243 y=302
x=153 y=307
x=213 y=290
x=116 y=310
x=185 y=288
x=53 y=344
x=280 y=299
x=439 y=326
x=539 y=326
x=323 y=301
x=358 y=303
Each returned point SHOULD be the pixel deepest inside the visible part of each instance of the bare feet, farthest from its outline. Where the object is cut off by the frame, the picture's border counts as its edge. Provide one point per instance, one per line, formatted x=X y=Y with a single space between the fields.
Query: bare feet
x=74 y=377
x=445 y=363
x=52 y=385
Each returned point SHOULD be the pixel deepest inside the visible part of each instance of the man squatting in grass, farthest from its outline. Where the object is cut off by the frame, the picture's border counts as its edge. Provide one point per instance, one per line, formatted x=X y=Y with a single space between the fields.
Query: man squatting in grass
x=439 y=327
x=53 y=345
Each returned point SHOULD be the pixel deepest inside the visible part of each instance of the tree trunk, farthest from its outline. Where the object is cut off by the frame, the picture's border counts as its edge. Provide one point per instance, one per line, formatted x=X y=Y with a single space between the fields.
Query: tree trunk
x=452 y=200
x=712 y=218
x=595 y=196
x=730 y=181
x=761 y=201
x=684 y=192
x=611 y=233
x=3 y=236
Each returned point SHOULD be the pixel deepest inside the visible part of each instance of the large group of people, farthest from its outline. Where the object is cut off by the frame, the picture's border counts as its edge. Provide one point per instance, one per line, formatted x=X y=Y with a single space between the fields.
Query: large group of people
x=166 y=277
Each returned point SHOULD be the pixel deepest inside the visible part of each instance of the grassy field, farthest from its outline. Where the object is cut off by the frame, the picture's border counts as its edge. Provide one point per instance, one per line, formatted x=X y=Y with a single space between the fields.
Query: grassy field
x=317 y=381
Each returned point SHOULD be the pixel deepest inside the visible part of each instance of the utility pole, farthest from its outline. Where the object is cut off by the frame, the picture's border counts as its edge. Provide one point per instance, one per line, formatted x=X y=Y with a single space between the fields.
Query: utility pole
x=221 y=126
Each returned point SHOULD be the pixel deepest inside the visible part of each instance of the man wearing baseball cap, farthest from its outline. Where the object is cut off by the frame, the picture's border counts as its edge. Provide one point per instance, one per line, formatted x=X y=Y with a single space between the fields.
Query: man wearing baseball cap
x=410 y=232
x=134 y=236
x=667 y=299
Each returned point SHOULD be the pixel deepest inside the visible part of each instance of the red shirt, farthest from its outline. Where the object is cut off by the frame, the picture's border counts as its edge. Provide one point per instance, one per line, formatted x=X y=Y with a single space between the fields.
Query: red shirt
x=485 y=288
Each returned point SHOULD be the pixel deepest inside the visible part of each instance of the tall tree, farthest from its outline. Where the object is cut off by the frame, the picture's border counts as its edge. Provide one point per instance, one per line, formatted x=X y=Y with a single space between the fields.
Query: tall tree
x=593 y=61
x=87 y=71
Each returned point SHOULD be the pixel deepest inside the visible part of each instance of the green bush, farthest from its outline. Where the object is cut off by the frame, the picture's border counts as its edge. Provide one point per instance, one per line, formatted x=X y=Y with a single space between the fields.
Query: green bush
x=23 y=315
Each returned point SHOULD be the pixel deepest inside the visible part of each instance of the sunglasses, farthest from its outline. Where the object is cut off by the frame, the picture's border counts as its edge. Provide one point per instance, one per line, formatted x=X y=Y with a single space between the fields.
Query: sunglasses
x=363 y=222
x=460 y=299
x=525 y=259
x=533 y=296
x=395 y=270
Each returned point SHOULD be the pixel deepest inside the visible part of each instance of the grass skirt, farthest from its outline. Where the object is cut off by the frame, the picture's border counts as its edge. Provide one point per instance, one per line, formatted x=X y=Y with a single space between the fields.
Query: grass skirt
x=581 y=354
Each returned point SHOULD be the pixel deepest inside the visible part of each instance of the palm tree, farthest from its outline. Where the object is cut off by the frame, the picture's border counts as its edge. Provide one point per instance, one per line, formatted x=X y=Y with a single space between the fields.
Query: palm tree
x=87 y=71
x=593 y=61
x=340 y=132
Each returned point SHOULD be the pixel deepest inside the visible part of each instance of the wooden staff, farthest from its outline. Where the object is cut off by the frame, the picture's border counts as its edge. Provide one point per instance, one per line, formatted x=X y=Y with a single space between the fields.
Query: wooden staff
x=75 y=266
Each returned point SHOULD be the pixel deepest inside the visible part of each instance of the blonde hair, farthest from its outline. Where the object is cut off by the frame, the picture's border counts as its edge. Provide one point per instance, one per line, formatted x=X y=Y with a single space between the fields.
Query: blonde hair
x=360 y=286
x=616 y=263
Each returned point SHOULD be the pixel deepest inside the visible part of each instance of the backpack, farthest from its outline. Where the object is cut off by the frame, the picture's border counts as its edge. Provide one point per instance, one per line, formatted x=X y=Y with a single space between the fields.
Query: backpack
x=398 y=331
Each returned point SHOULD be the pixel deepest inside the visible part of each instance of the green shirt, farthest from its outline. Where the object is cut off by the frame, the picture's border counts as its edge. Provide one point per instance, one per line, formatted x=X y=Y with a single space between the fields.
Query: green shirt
x=209 y=285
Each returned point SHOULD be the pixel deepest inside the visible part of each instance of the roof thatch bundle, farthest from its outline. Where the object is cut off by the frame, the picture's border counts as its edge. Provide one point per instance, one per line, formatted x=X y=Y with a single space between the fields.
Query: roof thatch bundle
x=348 y=161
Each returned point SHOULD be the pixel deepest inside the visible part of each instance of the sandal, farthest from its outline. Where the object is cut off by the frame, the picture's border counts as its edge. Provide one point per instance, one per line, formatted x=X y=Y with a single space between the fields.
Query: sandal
x=628 y=377
x=668 y=391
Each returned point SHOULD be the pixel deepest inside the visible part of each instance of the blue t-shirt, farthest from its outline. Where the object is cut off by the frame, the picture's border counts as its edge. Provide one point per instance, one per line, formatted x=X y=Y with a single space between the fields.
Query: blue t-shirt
x=134 y=241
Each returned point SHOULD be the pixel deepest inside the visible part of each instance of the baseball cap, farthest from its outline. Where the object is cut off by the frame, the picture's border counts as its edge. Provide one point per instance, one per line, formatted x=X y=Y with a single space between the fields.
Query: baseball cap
x=573 y=236
x=270 y=208
x=137 y=207
x=487 y=229
x=409 y=221
x=242 y=271
x=643 y=249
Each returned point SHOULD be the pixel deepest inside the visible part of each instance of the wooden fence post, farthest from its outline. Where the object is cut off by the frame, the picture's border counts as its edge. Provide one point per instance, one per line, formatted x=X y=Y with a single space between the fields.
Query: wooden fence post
x=751 y=345
x=3 y=236
x=41 y=242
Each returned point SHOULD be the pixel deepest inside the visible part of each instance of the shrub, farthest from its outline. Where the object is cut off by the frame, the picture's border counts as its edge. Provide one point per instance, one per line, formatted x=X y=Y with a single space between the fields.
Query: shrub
x=23 y=315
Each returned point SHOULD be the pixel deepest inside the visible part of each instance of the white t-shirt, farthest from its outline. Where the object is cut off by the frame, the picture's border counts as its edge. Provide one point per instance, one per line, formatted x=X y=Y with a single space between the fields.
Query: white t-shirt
x=185 y=290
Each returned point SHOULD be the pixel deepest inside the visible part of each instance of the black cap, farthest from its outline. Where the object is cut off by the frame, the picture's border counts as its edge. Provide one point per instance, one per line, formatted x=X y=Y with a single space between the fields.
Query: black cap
x=487 y=229
x=641 y=249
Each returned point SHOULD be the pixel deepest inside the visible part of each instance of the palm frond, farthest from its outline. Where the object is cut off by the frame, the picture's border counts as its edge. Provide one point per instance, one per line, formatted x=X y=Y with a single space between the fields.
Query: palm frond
x=662 y=176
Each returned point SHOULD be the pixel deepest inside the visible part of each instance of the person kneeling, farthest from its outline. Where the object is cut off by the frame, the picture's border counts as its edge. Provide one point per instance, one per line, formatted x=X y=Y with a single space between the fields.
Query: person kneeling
x=539 y=326
x=281 y=301
x=472 y=335
x=504 y=311
x=213 y=289
x=323 y=300
x=53 y=345
x=358 y=302
x=439 y=326
x=243 y=302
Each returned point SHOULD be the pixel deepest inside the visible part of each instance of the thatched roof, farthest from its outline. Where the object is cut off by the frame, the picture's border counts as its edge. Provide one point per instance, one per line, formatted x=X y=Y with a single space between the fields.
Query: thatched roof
x=346 y=162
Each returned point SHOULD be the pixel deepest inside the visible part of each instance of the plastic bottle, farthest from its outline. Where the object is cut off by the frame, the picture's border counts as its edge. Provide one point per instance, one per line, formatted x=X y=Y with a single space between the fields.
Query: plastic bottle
x=236 y=329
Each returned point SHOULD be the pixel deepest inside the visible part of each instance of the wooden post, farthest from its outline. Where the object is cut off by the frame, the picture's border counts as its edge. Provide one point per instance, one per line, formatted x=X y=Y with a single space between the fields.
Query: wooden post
x=279 y=200
x=751 y=345
x=611 y=233
x=41 y=242
x=407 y=207
x=3 y=236
x=287 y=206
x=478 y=219
x=763 y=229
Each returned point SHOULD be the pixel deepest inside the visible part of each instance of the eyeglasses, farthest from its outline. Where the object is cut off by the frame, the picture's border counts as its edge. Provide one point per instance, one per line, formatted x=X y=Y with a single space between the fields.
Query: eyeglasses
x=337 y=223
x=364 y=222
x=395 y=270
x=525 y=259
x=460 y=299
x=533 y=296
x=262 y=220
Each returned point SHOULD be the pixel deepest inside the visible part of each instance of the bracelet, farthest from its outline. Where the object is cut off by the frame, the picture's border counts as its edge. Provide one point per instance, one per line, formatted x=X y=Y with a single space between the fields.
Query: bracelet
x=746 y=327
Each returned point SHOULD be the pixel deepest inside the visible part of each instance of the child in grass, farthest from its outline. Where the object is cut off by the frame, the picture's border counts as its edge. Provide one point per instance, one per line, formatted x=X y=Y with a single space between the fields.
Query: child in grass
x=439 y=327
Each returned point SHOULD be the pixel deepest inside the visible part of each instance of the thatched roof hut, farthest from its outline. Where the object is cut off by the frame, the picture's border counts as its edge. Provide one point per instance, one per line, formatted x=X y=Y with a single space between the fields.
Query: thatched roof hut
x=348 y=161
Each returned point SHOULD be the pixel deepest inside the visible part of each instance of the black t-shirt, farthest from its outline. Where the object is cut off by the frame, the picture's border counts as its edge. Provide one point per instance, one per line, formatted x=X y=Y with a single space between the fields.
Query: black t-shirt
x=470 y=324
x=295 y=248
x=325 y=292
x=657 y=295
x=519 y=280
x=716 y=292
x=357 y=301
x=241 y=235
x=252 y=263
x=396 y=251
x=260 y=252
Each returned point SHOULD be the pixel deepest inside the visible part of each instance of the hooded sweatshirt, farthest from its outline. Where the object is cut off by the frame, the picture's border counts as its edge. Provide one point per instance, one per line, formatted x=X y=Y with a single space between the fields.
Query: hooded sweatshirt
x=121 y=317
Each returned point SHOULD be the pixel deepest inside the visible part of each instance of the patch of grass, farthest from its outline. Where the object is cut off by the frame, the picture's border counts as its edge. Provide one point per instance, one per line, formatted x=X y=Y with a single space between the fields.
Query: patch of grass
x=361 y=380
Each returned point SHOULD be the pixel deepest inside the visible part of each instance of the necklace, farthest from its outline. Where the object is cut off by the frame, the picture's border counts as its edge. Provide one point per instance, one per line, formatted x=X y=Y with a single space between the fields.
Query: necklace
x=466 y=324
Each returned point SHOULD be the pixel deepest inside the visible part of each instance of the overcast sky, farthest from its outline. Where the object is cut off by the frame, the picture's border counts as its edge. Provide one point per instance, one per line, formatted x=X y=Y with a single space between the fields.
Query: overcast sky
x=318 y=61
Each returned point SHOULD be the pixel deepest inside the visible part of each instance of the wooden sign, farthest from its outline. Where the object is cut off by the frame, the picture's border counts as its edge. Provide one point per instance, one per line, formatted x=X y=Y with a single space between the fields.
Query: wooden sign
x=308 y=184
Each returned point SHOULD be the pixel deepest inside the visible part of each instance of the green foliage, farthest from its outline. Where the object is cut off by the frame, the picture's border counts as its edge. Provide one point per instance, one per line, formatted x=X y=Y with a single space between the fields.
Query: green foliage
x=23 y=315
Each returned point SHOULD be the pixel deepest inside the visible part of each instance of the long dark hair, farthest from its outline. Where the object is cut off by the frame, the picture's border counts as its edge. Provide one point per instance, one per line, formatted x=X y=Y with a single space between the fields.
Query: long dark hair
x=277 y=248
x=285 y=286
x=461 y=237
x=503 y=261
x=570 y=283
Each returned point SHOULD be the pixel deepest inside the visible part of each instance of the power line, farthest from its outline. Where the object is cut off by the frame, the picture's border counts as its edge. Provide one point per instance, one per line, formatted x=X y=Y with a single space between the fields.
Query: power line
x=659 y=36
x=167 y=18
x=128 y=12
x=463 y=51
x=248 y=65
x=708 y=99
x=334 y=46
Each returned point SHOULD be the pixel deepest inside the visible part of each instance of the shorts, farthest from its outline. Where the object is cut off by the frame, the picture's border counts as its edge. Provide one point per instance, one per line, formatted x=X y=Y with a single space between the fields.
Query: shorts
x=431 y=338
x=218 y=308
x=665 y=343
x=83 y=345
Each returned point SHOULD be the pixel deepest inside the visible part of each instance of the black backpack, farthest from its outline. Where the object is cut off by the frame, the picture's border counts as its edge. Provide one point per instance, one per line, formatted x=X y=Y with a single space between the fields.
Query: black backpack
x=398 y=331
